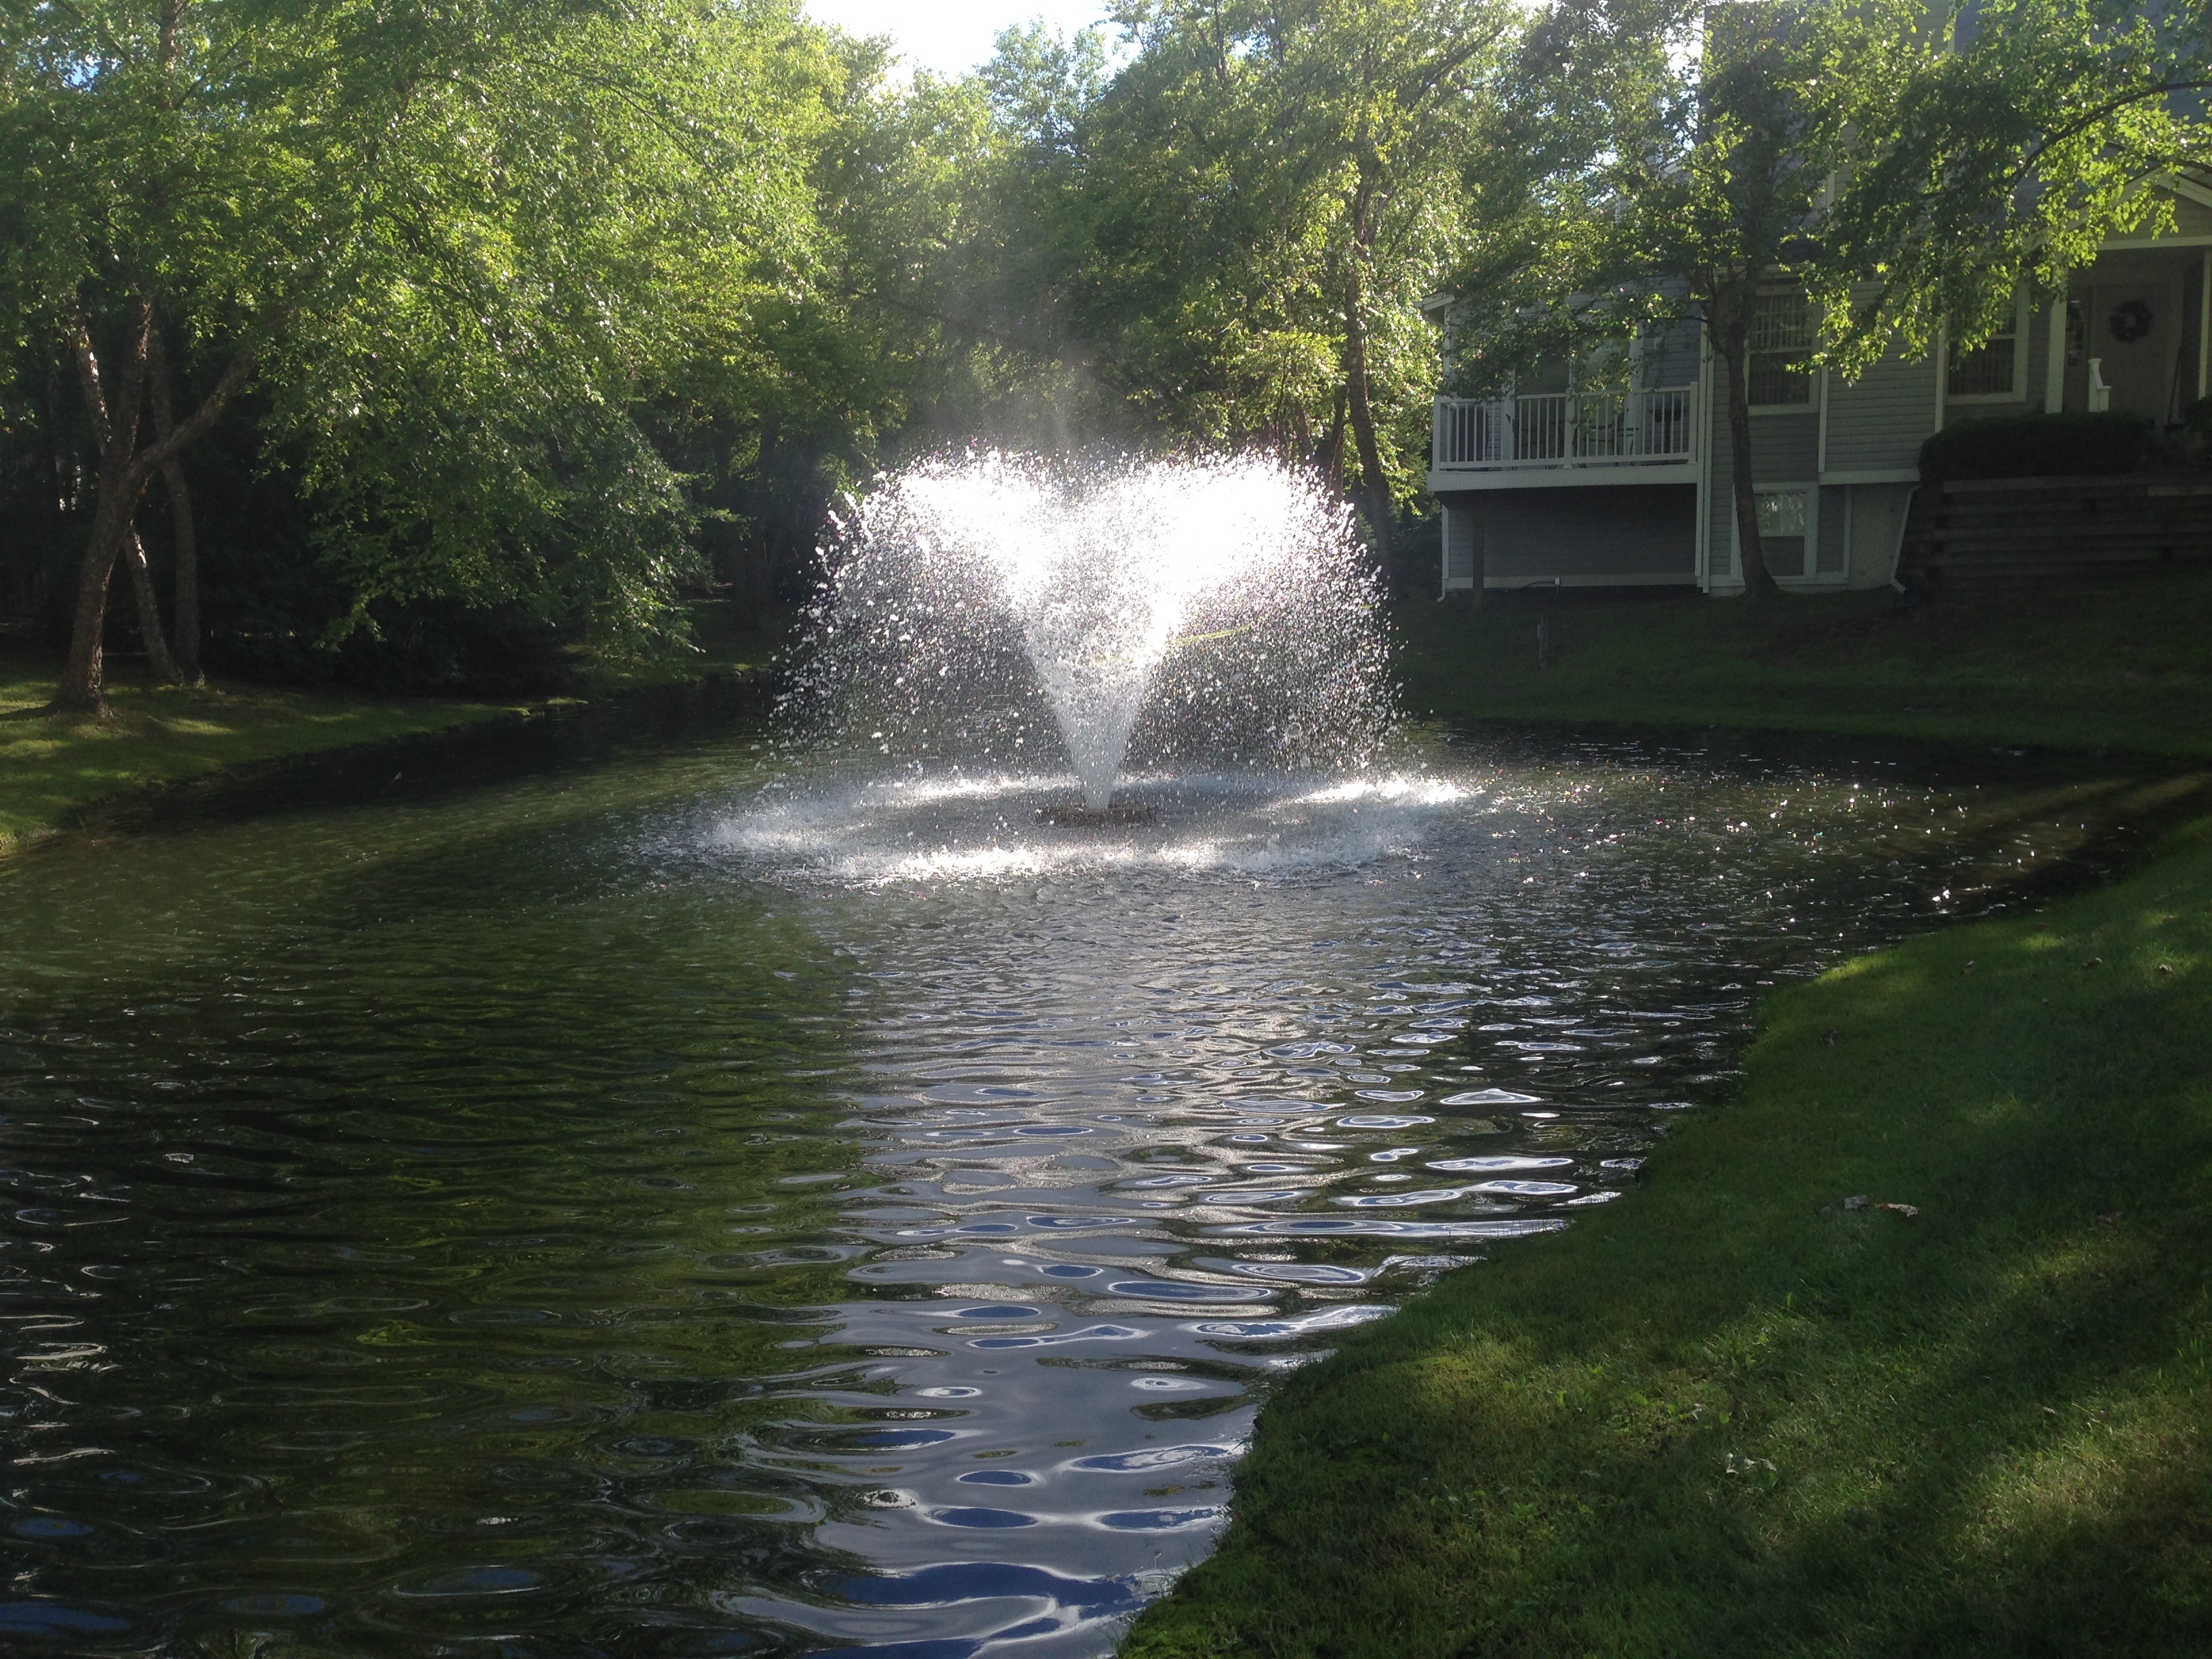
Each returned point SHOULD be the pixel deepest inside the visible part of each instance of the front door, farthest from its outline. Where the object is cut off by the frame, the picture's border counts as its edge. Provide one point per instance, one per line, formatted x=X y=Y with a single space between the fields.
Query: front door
x=2133 y=327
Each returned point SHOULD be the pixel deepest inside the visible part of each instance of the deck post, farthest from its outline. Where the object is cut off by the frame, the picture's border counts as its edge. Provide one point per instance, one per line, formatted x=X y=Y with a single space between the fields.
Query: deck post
x=2054 y=368
x=2204 y=327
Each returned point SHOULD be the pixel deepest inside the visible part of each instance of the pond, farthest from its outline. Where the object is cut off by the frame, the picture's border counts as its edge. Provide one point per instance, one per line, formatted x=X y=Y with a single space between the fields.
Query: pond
x=599 y=1189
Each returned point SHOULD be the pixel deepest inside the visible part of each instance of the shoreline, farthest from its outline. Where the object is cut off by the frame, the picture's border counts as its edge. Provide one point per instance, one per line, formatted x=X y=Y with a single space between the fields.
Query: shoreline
x=1739 y=1413
x=2119 y=669
x=1733 y=1416
x=67 y=775
x=1729 y=1416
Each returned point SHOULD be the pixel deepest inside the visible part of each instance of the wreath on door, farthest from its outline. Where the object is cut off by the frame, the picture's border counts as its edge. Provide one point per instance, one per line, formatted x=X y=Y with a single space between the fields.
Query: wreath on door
x=2130 y=321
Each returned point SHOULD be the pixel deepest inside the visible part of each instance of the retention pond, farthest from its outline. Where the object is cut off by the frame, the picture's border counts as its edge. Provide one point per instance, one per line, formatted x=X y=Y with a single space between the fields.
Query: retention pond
x=612 y=1192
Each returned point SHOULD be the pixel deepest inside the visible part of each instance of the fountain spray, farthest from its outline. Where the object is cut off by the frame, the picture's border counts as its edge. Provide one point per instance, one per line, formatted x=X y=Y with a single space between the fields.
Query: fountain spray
x=990 y=610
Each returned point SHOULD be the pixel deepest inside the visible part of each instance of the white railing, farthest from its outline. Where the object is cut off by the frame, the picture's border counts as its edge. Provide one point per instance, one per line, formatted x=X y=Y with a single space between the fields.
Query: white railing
x=1566 y=428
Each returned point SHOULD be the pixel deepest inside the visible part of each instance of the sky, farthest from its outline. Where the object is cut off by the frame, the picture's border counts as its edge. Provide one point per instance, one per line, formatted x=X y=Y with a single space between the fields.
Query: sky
x=951 y=36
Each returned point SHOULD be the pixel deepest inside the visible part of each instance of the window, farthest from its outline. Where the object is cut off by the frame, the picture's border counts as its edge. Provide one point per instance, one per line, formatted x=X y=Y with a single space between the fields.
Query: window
x=1780 y=342
x=1992 y=368
x=1781 y=531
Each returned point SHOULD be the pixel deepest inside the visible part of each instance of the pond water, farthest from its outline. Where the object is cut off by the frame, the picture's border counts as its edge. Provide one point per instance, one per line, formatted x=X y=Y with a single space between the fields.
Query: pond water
x=594 y=1192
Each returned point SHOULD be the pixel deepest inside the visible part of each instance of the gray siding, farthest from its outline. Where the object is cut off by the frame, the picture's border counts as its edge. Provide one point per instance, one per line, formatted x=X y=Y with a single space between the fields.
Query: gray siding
x=1672 y=359
x=2191 y=218
x=1460 y=546
x=1785 y=448
x=1877 y=423
x=1626 y=533
x=1832 y=546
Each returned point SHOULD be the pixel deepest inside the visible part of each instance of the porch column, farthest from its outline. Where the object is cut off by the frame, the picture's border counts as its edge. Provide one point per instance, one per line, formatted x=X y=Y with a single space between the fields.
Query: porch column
x=2054 y=368
x=2204 y=328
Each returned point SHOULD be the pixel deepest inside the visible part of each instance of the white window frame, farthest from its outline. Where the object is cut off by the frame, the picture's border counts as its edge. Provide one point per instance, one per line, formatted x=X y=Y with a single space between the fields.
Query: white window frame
x=1811 y=574
x=2020 y=325
x=1818 y=388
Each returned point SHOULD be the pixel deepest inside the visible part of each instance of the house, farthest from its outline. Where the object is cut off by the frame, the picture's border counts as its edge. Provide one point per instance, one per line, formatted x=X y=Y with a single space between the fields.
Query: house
x=1615 y=472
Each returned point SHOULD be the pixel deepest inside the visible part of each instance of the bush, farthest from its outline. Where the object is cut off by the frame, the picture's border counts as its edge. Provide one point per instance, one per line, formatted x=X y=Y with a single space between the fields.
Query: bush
x=2036 y=446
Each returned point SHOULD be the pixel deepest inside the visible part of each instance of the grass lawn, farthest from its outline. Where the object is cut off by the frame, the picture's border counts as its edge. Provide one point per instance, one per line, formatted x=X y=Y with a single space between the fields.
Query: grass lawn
x=1730 y=1415
x=2127 y=665
x=52 y=767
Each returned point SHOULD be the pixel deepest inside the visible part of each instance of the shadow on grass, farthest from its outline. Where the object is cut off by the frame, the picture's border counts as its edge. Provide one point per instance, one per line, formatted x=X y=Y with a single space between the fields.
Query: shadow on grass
x=1730 y=1416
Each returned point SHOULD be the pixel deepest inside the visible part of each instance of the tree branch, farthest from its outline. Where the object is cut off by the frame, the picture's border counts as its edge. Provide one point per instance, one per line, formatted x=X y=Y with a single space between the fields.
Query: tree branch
x=187 y=431
x=2095 y=117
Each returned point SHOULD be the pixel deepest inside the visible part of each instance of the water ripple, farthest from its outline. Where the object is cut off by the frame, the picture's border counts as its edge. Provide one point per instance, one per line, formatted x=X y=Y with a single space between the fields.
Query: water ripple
x=577 y=1209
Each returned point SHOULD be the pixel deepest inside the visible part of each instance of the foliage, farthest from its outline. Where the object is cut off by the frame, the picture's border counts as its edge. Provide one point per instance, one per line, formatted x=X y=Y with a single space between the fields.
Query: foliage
x=2037 y=447
x=1272 y=190
x=2022 y=135
x=452 y=242
x=515 y=319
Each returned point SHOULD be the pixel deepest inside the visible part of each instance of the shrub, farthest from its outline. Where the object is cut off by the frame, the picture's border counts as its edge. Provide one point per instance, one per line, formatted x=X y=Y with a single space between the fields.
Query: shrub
x=2036 y=446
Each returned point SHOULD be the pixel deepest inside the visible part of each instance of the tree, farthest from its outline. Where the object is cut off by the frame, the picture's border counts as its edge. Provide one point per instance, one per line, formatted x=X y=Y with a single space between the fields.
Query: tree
x=1270 y=187
x=1908 y=169
x=450 y=240
x=1689 y=165
x=2023 y=136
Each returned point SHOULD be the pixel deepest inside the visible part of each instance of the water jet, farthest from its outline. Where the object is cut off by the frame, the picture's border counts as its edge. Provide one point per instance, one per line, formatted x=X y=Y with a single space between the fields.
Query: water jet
x=987 y=611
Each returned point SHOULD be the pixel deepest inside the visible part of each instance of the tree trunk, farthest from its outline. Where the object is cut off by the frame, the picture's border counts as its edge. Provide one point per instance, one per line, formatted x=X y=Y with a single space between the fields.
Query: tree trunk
x=1731 y=338
x=149 y=612
x=115 y=430
x=183 y=541
x=124 y=471
x=1374 y=482
x=1332 y=453
x=80 y=688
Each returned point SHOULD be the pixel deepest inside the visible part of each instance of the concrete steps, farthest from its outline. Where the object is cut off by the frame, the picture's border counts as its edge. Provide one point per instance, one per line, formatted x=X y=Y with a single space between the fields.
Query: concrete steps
x=1991 y=531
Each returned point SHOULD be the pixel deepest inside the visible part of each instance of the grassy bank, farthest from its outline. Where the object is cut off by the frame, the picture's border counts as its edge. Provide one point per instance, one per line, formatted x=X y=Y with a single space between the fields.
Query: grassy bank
x=2064 y=665
x=53 y=767
x=1731 y=1416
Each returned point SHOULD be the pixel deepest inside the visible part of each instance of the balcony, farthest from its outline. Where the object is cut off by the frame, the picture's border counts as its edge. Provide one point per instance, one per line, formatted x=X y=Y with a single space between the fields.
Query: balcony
x=1607 y=432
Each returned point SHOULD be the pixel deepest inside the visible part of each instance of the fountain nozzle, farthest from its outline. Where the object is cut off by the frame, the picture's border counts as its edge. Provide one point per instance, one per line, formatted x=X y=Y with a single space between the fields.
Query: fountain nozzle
x=1073 y=816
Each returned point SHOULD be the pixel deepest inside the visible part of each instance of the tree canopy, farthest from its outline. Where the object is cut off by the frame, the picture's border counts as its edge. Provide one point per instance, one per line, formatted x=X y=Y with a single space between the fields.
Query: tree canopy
x=452 y=330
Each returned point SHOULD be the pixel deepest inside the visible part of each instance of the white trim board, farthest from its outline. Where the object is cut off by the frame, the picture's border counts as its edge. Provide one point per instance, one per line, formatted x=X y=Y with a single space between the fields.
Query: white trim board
x=2204 y=328
x=1673 y=474
x=1633 y=578
x=1703 y=563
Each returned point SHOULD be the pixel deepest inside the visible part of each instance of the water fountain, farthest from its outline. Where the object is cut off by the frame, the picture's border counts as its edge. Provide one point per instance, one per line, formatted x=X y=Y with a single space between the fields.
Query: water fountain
x=725 y=1200
x=1161 y=610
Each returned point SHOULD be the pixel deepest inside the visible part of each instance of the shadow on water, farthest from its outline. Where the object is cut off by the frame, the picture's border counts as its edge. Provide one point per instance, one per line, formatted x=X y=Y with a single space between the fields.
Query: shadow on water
x=601 y=1191
x=444 y=766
